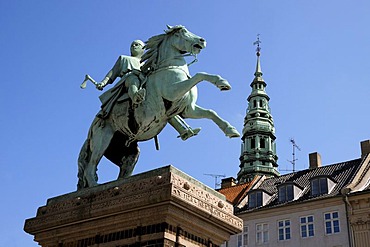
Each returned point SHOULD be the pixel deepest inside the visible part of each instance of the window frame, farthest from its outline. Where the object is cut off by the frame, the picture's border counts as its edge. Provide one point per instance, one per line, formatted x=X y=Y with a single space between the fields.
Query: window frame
x=263 y=233
x=318 y=187
x=286 y=192
x=257 y=197
x=239 y=240
x=307 y=224
x=332 y=220
x=245 y=233
x=286 y=230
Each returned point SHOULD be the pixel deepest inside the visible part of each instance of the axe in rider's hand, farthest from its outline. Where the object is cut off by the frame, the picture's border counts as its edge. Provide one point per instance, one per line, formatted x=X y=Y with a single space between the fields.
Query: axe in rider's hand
x=89 y=78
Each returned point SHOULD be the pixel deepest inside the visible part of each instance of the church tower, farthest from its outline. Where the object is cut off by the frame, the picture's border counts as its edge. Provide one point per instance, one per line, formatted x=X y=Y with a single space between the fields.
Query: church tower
x=258 y=152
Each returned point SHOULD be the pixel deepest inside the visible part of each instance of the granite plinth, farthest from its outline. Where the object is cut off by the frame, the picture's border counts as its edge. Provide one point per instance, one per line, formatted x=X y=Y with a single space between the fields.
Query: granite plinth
x=162 y=207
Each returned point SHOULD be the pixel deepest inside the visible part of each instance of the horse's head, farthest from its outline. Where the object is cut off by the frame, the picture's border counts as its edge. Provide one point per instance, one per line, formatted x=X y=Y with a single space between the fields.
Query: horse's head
x=185 y=41
x=176 y=40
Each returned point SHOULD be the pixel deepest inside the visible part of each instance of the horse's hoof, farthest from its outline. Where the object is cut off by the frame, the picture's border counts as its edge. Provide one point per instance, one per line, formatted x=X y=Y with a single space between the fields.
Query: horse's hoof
x=231 y=132
x=223 y=85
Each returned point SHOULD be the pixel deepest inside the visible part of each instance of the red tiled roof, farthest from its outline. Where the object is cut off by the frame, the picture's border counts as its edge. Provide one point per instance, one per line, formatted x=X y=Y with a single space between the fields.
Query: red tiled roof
x=237 y=192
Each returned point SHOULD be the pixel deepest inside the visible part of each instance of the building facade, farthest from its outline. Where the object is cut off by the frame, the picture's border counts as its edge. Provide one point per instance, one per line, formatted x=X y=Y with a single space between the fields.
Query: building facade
x=320 y=206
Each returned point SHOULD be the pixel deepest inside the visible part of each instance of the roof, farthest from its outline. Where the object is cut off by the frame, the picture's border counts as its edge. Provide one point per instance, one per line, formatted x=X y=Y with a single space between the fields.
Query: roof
x=237 y=192
x=341 y=173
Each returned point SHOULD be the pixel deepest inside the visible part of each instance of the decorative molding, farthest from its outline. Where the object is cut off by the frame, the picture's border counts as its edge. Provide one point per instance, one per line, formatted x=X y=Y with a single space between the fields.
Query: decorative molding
x=163 y=196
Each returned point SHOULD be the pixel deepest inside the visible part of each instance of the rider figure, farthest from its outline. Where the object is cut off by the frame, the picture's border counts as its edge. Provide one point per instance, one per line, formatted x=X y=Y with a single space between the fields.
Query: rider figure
x=128 y=69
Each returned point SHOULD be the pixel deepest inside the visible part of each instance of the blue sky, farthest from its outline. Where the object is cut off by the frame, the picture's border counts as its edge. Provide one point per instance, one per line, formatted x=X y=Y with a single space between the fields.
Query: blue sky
x=315 y=60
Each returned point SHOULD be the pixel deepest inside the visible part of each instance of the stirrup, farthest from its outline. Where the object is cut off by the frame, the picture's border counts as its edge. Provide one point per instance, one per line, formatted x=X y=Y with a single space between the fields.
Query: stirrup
x=189 y=133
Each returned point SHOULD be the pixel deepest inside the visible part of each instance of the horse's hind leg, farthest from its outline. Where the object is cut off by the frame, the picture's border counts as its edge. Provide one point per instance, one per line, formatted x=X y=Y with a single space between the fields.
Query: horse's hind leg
x=129 y=160
x=99 y=142
x=196 y=112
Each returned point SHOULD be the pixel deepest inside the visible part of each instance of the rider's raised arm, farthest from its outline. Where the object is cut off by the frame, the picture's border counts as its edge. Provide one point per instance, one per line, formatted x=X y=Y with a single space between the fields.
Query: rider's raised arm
x=113 y=73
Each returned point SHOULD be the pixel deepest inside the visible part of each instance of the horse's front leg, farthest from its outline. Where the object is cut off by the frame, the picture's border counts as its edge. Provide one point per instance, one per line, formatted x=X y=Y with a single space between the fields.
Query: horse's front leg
x=197 y=112
x=177 y=90
x=217 y=80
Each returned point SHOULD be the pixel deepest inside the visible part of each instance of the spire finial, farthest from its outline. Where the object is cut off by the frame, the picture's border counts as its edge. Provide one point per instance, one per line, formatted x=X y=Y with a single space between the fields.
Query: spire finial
x=258 y=72
x=258 y=42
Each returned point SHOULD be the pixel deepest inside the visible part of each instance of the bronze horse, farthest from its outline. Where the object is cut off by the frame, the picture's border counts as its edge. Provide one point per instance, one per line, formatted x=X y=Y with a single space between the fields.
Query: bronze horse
x=170 y=92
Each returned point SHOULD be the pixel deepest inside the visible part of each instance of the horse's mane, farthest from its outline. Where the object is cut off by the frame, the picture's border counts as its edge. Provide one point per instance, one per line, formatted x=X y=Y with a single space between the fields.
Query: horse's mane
x=150 y=57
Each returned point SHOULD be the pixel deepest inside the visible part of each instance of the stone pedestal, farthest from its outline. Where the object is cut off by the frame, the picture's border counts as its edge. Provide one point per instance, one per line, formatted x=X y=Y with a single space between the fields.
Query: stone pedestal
x=163 y=207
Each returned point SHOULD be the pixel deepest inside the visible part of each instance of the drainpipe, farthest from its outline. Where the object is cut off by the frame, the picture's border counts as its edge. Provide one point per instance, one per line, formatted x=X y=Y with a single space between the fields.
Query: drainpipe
x=347 y=205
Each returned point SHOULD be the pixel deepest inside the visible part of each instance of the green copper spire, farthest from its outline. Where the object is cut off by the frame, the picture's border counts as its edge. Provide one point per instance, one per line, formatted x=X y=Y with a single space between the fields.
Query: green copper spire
x=258 y=154
x=258 y=72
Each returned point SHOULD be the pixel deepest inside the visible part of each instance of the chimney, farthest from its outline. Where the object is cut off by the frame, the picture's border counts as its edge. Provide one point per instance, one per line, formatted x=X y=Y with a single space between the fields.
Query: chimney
x=365 y=148
x=227 y=182
x=315 y=160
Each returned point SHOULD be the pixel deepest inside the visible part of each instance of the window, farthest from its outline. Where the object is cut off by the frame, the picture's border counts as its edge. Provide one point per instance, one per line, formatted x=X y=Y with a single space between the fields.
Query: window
x=262 y=143
x=284 y=229
x=307 y=229
x=240 y=238
x=262 y=233
x=255 y=199
x=253 y=143
x=331 y=223
x=286 y=193
x=245 y=236
x=319 y=186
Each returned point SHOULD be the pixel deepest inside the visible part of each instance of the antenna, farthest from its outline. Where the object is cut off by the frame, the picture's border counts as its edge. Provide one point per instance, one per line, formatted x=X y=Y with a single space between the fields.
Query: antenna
x=216 y=176
x=294 y=146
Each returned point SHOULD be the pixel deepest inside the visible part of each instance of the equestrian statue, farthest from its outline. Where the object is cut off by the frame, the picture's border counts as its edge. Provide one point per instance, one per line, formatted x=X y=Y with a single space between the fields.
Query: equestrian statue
x=155 y=88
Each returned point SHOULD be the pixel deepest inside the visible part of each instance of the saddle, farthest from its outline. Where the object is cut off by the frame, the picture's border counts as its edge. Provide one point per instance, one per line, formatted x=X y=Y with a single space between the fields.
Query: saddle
x=118 y=93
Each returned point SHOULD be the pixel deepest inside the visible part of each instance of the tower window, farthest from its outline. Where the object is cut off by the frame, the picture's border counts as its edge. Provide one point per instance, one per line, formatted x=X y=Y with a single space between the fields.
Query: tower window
x=253 y=143
x=254 y=103
x=262 y=143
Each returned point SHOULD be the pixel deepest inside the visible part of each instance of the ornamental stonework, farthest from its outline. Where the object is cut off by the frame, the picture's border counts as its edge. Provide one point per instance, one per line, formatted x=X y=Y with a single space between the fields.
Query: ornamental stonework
x=165 y=199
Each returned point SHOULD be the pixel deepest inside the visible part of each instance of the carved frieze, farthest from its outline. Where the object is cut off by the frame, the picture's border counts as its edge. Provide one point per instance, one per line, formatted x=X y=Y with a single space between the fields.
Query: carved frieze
x=167 y=195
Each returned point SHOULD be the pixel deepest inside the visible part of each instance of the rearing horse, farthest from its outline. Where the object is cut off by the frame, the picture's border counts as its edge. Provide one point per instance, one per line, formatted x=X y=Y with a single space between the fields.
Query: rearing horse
x=170 y=91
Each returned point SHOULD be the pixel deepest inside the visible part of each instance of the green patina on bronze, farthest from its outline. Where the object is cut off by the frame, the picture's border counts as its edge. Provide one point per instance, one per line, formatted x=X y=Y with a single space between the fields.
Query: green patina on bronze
x=161 y=92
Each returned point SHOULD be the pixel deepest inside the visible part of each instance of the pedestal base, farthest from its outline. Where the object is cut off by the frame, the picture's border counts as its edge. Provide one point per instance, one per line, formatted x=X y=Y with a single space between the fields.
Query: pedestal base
x=163 y=207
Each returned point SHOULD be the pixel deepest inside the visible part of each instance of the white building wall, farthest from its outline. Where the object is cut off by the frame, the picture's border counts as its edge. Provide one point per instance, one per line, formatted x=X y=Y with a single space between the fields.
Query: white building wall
x=294 y=213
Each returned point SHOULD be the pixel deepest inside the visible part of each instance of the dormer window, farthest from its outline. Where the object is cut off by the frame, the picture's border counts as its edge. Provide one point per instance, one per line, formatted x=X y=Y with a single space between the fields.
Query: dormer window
x=257 y=198
x=321 y=186
x=288 y=192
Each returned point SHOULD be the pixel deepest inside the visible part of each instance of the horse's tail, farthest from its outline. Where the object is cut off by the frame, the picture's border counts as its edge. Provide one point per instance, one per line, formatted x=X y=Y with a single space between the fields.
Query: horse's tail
x=83 y=160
